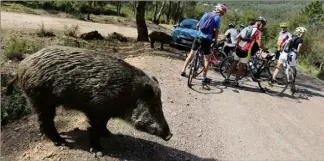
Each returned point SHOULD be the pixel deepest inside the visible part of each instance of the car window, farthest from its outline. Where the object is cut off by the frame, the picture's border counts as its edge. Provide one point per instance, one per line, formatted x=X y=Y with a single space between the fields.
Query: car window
x=188 y=24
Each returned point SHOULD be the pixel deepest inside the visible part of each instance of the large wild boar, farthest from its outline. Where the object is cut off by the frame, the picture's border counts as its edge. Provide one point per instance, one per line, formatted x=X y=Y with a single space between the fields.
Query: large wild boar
x=100 y=86
x=163 y=38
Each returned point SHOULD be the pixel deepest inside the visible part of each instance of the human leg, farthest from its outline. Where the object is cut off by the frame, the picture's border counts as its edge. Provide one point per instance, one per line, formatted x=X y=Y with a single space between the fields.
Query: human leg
x=282 y=59
x=206 y=43
x=232 y=66
x=193 y=51
x=241 y=67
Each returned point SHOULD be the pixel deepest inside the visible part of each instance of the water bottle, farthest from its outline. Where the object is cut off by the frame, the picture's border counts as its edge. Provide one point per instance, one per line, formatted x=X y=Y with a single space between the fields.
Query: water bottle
x=252 y=66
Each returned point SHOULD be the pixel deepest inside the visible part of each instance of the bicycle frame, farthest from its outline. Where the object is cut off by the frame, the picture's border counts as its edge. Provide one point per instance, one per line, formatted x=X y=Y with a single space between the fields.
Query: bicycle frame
x=264 y=64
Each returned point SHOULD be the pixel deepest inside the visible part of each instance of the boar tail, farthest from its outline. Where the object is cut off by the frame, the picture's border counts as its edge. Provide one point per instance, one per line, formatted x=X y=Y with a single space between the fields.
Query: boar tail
x=9 y=88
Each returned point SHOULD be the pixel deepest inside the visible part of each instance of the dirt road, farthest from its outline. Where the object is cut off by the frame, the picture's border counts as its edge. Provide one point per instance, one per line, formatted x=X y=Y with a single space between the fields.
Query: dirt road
x=222 y=123
x=10 y=20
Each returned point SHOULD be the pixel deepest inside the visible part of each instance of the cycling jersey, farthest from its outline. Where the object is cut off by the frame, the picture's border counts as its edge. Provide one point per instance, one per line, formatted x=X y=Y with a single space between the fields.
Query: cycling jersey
x=297 y=42
x=247 y=45
x=283 y=37
x=231 y=37
x=217 y=26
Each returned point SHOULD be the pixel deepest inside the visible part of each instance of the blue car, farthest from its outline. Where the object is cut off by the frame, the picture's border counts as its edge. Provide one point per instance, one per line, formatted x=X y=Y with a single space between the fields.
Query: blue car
x=184 y=33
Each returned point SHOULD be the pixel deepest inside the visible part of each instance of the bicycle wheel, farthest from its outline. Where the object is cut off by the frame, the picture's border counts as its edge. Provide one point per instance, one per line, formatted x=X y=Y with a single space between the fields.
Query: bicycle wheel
x=193 y=69
x=225 y=65
x=277 y=88
x=201 y=64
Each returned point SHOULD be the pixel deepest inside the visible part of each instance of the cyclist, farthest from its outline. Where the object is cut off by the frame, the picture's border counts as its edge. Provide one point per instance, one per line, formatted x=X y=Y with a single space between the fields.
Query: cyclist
x=242 y=26
x=230 y=37
x=284 y=35
x=243 y=50
x=296 y=45
x=205 y=39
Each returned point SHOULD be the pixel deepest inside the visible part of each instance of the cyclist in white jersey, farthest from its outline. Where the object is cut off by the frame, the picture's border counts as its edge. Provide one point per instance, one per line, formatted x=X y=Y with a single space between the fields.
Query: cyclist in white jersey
x=230 y=37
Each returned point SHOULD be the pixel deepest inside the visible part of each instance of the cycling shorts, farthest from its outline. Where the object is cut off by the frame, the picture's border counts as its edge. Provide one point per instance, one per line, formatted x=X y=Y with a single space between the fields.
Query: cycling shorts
x=204 y=43
x=238 y=56
x=284 y=58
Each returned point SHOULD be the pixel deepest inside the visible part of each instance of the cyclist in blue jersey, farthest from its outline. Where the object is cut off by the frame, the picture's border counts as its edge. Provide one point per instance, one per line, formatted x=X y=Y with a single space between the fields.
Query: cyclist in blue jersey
x=204 y=39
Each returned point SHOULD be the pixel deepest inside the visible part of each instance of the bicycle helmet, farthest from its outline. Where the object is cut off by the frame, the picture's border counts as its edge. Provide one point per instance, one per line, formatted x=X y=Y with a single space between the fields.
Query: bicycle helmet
x=221 y=7
x=283 y=24
x=301 y=29
x=231 y=24
x=242 y=25
x=262 y=20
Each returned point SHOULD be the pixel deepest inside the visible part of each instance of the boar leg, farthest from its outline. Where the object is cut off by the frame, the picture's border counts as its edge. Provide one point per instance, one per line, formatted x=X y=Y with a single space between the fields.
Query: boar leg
x=95 y=130
x=103 y=129
x=152 y=43
x=46 y=114
x=161 y=45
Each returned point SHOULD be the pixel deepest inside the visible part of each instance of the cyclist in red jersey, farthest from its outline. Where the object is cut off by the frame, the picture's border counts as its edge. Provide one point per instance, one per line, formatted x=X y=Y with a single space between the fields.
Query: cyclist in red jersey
x=244 y=48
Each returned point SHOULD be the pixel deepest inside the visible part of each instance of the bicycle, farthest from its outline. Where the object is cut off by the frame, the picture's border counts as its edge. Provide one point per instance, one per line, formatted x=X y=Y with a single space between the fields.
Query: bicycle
x=285 y=76
x=195 y=64
x=226 y=63
x=216 y=51
x=258 y=67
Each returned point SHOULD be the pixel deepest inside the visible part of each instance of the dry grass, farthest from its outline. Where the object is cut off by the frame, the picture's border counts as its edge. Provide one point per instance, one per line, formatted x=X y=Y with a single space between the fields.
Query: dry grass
x=72 y=30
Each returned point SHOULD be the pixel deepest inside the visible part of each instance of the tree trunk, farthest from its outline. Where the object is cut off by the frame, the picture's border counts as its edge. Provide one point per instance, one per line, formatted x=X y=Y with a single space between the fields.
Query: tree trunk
x=142 y=33
x=159 y=14
x=169 y=11
x=180 y=11
x=118 y=7
x=89 y=9
x=155 y=11
x=177 y=12
x=134 y=7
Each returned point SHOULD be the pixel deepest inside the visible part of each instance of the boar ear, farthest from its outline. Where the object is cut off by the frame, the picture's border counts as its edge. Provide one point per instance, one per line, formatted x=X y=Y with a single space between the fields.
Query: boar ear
x=155 y=79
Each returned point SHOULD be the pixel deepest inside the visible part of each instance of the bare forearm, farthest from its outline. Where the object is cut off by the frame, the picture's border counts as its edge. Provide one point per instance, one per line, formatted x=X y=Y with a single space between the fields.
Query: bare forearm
x=216 y=34
x=197 y=26
x=298 y=48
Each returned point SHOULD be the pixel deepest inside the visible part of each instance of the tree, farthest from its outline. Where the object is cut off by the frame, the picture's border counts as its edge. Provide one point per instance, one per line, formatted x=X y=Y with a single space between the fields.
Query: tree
x=157 y=17
x=90 y=3
x=155 y=11
x=169 y=11
x=142 y=33
x=314 y=11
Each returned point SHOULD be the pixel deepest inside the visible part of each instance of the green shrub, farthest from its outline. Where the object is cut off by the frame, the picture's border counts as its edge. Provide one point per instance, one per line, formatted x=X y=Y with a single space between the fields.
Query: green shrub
x=71 y=31
x=15 y=47
x=14 y=106
x=43 y=32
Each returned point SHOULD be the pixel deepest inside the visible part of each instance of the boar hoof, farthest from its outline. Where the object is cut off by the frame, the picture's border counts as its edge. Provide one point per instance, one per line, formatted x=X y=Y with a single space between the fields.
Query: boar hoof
x=96 y=153
x=60 y=143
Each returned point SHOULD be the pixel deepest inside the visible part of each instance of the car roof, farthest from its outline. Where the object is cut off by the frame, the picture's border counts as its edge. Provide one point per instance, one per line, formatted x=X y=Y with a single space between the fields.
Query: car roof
x=189 y=19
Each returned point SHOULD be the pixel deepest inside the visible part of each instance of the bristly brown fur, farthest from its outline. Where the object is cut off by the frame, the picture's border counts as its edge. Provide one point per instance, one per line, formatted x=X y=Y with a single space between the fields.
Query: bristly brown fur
x=99 y=85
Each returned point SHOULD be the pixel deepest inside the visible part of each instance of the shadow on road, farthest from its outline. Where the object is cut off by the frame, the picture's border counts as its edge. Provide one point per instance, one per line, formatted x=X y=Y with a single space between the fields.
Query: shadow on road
x=210 y=88
x=129 y=148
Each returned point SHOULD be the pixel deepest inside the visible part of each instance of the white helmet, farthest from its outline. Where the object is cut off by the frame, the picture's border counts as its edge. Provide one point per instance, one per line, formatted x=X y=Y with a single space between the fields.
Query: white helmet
x=221 y=7
x=301 y=29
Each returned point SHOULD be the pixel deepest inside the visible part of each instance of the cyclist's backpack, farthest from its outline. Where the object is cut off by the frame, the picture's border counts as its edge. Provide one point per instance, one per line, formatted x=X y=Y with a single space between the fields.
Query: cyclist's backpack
x=246 y=33
x=289 y=44
x=208 y=23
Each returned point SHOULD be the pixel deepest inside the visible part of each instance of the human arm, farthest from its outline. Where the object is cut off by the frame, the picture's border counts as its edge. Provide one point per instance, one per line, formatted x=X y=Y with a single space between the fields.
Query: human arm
x=300 y=43
x=197 y=26
x=259 y=41
x=299 y=48
x=217 y=27
x=227 y=35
